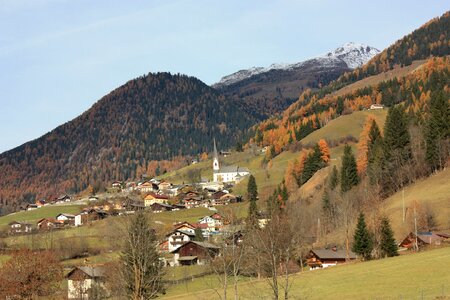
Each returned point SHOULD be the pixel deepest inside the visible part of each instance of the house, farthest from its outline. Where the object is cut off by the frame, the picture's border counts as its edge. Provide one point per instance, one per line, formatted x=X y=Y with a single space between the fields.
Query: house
x=40 y=203
x=193 y=252
x=213 y=222
x=423 y=239
x=16 y=227
x=66 y=218
x=377 y=106
x=49 y=223
x=323 y=258
x=224 y=199
x=94 y=214
x=63 y=198
x=191 y=202
x=160 y=207
x=147 y=187
x=116 y=184
x=84 y=282
x=226 y=174
x=93 y=198
x=155 y=198
x=235 y=238
x=31 y=207
x=184 y=226
x=78 y=220
x=263 y=219
x=164 y=185
x=178 y=237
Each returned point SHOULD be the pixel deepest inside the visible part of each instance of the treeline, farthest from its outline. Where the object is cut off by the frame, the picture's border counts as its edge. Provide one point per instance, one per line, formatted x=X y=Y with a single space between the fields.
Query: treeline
x=151 y=123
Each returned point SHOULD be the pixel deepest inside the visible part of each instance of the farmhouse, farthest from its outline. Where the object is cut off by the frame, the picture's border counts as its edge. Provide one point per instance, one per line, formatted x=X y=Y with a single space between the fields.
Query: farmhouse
x=49 y=223
x=160 y=207
x=19 y=227
x=322 y=258
x=423 y=238
x=178 y=237
x=155 y=198
x=194 y=252
x=229 y=174
x=84 y=282
x=66 y=218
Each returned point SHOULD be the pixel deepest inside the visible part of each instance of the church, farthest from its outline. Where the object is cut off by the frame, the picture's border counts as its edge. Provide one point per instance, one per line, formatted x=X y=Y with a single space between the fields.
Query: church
x=227 y=174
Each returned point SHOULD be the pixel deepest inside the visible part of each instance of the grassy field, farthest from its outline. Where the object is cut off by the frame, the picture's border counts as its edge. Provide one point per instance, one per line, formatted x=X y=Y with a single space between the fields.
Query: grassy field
x=403 y=277
x=348 y=125
x=432 y=192
x=35 y=215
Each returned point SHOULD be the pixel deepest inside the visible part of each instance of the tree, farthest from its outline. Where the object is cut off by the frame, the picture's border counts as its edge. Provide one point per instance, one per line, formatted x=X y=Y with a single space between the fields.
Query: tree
x=388 y=246
x=239 y=147
x=362 y=244
x=349 y=173
x=438 y=131
x=252 y=188
x=324 y=150
x=313 y=163
x=198 y=235
x=141 y=266
x=30 y=274
x=334 y=178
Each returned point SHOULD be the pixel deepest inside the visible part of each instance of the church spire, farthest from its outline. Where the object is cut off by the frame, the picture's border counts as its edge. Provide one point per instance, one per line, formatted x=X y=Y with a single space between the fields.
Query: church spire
x=215 y=158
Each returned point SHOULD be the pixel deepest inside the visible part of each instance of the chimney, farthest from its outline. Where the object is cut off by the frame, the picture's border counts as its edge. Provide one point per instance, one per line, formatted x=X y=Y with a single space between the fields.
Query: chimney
x=334 y=248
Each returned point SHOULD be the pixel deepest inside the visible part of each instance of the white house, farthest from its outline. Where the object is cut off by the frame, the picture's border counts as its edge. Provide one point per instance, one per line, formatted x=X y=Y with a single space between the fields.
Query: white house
x=65 y=217
x=213 y=222
x=179 y=237
x=84 y=282
x=377 y=106
x=227 y=173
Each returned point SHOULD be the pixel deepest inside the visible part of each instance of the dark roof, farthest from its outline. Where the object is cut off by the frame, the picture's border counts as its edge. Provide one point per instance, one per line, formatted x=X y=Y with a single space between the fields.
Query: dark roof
x=92 y=272
x=205 y=245
x=232 y=169
x=333 y=254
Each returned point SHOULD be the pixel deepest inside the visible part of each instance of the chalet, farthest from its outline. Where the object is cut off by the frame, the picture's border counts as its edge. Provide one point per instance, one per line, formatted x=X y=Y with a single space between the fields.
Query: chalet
x=49 y=223
x=164 y=185
x=423 y=239
x=84 y=282
x=147 y=187
x=67 y=219
x=63 y=198
x=178 y=237
x=213 y=222
x=193 y=252
x=322 y=258
x=116 y=184
x=19 y=227
x=225 y=199
x=155 y=198
x=191 y=202
x=160 y=207
x=184 y=226
x=376 y=106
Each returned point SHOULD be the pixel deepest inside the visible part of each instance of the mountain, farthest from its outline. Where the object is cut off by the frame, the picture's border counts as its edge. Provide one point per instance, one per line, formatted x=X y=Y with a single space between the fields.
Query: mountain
x=151 y=118
x=267 y=91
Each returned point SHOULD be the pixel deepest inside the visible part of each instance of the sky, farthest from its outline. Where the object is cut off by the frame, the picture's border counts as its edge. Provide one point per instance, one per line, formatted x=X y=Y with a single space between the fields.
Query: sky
x=58 y=57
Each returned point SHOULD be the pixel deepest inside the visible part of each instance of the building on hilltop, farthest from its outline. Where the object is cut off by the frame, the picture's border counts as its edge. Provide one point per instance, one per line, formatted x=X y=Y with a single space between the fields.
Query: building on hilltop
x=231 y=174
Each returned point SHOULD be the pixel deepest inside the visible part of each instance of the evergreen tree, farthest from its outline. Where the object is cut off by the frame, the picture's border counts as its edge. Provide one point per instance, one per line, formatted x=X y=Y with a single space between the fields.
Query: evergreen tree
x=438 y=131
x=239 y=147
x=313 y=163
x=141 y=267
x=349 y=173
x=252 y=188
x=198 y=235
x=374 y=138
x=334 y=178
x=388 y=246
x=362 y=244
x=396 y=137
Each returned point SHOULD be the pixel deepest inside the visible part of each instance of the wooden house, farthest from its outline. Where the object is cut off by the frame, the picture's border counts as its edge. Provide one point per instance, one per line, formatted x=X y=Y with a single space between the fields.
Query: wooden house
x=322 y=258
x=178 y=237
x=160 y=207
x=155 y=198
x=16 y=227
x=49 y=223
x=85 y=282
x=68 y=219
x=423 y=239
x=194 y=252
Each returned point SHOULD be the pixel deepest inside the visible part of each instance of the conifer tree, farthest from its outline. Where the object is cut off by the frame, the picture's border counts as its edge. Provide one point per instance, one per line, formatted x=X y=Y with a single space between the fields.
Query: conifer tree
x=396 y=137
x=388 y=246
x=438 y=131
x=198 y=235
x=362 y=244
x=252 y=188
x=334 y=178
x=252 y=192
x=349 y=173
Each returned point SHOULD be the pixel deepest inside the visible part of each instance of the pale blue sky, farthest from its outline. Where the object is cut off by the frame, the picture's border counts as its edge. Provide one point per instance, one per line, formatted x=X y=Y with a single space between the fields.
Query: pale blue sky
x=57 y=57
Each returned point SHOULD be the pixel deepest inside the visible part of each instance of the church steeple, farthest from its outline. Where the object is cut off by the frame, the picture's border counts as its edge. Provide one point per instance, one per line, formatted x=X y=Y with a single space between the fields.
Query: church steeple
x=215 y=158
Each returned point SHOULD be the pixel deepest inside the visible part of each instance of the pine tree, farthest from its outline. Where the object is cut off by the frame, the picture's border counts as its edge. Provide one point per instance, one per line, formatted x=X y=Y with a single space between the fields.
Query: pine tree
x=388 y=246
x=252 y=188
x=396 y=137
x=438 y=131
x=334 y=178
x=362 y=244
x=349 y=173
x=141 y=267
x=313 y=163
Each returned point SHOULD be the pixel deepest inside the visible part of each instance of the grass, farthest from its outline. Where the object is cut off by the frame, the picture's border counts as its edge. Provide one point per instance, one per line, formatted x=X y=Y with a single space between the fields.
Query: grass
x=348 y=125
x=35 y=215
x=432 y=192
x=403 y=277
x=3 y=259
x=177 y=273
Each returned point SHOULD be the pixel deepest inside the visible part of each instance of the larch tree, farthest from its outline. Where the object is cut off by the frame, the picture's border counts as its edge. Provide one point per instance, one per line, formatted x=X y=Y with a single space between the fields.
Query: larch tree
x=325 y=150
x=349 y=173
x=142 y=270
x=363 y=146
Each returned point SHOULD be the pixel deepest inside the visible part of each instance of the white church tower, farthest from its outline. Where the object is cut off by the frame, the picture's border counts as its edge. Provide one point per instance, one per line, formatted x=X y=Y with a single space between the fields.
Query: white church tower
x=216 y=167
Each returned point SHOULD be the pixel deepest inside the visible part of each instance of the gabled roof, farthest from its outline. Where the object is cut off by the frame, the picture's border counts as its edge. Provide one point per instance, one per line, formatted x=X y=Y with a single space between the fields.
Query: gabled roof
x=93 y=272
x=155 y=196
x=66 y=215
x=232 y=169
x=205 y=245
x=333 y=254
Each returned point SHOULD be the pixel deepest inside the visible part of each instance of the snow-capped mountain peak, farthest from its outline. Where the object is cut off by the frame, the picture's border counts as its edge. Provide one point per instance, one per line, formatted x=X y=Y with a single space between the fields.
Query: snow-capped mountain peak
x=354 y=55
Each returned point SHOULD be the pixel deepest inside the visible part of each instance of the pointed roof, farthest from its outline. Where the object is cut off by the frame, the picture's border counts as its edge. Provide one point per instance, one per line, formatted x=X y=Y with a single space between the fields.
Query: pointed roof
x=215 y=155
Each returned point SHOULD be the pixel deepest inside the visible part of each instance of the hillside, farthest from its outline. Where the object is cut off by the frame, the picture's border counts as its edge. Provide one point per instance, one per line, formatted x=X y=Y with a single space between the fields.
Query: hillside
x=272 y=89
x=152 y=118
x=347 y=281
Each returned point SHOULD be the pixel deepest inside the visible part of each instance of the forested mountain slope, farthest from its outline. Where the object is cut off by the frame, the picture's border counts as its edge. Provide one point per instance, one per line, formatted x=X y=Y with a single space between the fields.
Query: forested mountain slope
x=152 y=118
